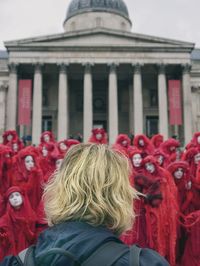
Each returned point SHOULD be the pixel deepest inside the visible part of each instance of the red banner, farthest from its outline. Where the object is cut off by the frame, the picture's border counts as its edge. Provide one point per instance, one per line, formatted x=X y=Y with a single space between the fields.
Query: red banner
x=175 y=108
x=24 y=101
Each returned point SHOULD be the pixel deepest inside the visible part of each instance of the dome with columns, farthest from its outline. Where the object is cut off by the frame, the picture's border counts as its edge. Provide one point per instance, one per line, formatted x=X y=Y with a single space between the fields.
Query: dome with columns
x=82 y=6
x=92 y=13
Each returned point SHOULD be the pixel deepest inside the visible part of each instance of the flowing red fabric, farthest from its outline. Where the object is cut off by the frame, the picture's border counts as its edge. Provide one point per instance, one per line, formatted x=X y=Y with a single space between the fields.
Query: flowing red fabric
x=191 y=254
x=137 y=234
x=161 y=218
x=5 y=168
x=17 y=226
x=41 y=223
x=31 y=181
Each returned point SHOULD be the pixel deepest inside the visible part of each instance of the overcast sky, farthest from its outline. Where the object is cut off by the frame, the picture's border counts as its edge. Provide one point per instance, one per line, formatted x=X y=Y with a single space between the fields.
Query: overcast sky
x=175 y=19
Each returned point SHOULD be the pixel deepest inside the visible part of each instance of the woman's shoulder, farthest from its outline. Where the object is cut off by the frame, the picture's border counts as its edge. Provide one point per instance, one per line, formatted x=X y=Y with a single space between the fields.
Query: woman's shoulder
x=147 y=257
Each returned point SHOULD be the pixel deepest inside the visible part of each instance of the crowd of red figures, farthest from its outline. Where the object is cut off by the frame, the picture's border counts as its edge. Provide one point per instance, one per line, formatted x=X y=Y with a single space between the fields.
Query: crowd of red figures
x=167 y=177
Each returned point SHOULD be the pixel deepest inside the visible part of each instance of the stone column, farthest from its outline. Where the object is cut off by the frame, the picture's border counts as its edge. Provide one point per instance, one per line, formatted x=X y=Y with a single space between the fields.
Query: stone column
x=63 y=107
x=37 y=105
x=113 y=104
x=11 y=108
x=87 y=103
x=137 y=100
x=162 y=102
x=187 y=103
x=3 y=89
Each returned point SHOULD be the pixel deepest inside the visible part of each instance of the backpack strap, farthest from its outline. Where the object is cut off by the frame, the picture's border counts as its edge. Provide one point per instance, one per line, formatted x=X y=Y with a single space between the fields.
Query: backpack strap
x=26 y=257
x=106 y=254
x=62 y=252
x=134 y=259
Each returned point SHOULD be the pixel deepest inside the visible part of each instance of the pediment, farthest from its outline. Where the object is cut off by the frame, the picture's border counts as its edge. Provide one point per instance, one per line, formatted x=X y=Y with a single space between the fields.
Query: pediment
x=99 y=38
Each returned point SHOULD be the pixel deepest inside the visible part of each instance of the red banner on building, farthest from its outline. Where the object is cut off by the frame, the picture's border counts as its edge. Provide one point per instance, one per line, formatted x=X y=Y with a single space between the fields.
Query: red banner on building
x=24 y=101
x=175 y=108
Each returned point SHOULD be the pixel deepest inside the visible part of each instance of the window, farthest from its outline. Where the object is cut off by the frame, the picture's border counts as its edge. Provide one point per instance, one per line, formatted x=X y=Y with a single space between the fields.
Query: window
x=46 y=123
x=151 y=125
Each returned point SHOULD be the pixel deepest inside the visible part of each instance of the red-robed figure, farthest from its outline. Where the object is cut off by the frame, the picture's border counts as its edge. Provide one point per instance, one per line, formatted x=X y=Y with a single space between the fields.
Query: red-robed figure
x=143 y=143
x=17 y=225
x=161 y=212
x=28 y=174
x=98 y=136
x=122 y=144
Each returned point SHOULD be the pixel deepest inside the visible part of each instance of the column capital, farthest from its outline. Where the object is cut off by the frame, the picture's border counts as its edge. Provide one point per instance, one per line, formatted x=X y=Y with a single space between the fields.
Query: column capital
x=38 y=67
x=137 y=68
x=88 y=67
x=113 y=66
x=13 y=67
x=63 y=67
x=161 y=68
x=3 y=87
x=186 y=68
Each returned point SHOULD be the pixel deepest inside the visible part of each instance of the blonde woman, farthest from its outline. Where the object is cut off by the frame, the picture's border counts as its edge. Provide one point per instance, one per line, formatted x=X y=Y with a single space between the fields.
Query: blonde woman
x=88 y=204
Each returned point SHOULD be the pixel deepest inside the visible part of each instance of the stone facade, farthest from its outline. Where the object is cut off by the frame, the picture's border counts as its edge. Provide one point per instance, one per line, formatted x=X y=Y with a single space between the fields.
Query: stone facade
x=100 y=76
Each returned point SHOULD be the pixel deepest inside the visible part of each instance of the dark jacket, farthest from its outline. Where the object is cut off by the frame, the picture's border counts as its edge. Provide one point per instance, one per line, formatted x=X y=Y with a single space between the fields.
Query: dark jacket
x=81 y=239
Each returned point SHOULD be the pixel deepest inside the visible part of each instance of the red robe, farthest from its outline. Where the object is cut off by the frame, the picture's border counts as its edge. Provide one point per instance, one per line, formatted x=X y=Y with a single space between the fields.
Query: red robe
x=17 y=226
x=31 y=181
x=191 y=256
x=147 y=149
x=93 y=138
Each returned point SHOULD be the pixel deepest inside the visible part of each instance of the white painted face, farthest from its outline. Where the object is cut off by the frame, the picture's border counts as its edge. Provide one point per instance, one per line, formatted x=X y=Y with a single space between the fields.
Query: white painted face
x=15 y=147
x=99 y=136
x=198 y=139
x=137 y=160
x=58 y=163
x=124 y=143
x=178 y=174
x=160 y=159
x=44 y=151
x=141 y=142
x=29 y=162
x=150 y=167
x=15 y=199
x=46 y=138
x=172 y=148
x=62 y=146
x=197 y=158
x=9 y=137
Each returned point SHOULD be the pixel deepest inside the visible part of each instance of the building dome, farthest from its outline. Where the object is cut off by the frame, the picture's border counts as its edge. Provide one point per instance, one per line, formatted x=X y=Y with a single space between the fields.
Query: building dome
x=112 y=6
x=90 y=14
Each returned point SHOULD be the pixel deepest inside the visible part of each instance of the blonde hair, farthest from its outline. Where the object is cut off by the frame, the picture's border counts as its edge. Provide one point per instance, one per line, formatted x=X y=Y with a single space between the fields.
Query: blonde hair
x=92 y=185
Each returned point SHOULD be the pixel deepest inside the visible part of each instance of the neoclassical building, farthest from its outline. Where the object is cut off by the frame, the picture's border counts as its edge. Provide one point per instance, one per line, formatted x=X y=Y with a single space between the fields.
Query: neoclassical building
x=100 y=73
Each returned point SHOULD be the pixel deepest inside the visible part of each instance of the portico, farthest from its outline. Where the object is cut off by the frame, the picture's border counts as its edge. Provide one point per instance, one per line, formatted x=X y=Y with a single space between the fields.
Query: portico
x=99 y=93
x=99 y=73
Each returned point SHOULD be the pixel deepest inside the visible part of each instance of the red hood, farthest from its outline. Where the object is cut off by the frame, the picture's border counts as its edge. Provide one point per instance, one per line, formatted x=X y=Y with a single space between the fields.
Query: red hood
x=166 y=145
x=121 y=138
x=51 y=136
x=157 y=140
